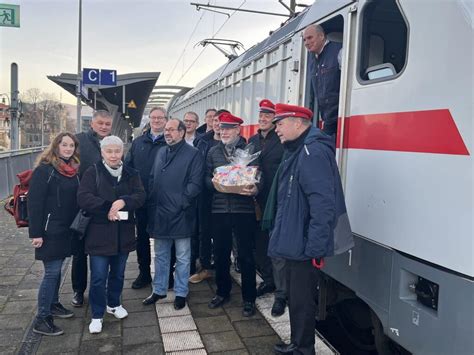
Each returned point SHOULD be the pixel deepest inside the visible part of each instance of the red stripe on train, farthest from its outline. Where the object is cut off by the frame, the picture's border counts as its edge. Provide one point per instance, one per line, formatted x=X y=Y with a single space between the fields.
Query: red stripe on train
x=432 y=131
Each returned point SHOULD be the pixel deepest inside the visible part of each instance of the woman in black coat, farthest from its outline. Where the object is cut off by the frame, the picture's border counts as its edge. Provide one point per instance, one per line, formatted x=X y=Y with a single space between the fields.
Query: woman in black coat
x=110 y=192
x=51 y=209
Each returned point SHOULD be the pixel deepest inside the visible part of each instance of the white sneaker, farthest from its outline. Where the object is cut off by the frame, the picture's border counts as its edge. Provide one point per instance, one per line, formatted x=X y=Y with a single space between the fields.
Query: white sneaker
x=119 y=312
x=96 y=326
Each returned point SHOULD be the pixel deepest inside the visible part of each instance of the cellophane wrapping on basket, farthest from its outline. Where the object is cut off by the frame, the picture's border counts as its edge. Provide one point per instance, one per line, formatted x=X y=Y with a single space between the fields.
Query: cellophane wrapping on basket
x=236 y=176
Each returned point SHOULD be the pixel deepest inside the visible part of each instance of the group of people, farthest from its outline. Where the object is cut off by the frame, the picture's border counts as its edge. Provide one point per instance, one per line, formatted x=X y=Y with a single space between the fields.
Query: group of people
x=163 y=190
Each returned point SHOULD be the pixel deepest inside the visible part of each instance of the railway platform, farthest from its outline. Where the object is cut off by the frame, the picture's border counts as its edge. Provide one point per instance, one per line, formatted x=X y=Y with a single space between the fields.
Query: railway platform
x=195 y=330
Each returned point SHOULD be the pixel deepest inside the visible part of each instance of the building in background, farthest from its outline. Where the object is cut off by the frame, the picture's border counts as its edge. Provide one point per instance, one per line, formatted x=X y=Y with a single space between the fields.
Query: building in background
x=4 y=127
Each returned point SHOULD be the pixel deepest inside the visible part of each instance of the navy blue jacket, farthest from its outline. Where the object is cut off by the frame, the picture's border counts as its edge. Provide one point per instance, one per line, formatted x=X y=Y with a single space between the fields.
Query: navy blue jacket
x=325 y=81
x=142 y=153
x=176 y=180
x=311 y=219
x=89 y=150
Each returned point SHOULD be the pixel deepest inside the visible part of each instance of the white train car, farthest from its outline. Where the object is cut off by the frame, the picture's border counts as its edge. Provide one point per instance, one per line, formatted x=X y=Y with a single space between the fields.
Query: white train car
x=405 y=142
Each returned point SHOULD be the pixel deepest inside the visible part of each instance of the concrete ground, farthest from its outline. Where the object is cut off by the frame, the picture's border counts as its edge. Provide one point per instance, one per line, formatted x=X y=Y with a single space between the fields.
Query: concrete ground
x=158 y=329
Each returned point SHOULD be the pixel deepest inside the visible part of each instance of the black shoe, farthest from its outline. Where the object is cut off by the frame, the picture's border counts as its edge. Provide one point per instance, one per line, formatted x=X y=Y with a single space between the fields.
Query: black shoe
x=283 y=348
x=217 y=301
x=152 y=299
x=141 y=281
x=46 y=326
x=58 y=310
x=278 y=307
x=179 y=302
x=264 y=288
x=249 y=309
x=77 y=299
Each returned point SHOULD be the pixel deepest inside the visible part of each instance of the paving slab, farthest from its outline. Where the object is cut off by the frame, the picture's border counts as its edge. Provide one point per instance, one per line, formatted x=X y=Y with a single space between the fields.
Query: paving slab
x=213 y=324
x=222 y=341
x=141 y=335
x=253 y=328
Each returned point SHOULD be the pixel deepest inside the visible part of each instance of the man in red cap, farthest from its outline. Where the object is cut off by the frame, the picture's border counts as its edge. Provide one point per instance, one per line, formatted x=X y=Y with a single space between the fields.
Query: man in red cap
x=307 y=211
x=272 y=269
x=232 y=214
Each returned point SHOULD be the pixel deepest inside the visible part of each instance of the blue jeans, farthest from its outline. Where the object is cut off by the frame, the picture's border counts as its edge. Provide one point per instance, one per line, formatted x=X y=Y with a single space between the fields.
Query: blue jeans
x=162 y=265
x=107 y=275
x=48 y=291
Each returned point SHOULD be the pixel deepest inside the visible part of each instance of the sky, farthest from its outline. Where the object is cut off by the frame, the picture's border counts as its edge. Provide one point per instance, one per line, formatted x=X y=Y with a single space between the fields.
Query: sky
x=129 y=36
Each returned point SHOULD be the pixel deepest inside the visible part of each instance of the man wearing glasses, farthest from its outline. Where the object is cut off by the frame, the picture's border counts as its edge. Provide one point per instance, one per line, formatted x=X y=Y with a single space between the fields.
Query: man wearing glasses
x=141 y=157
x=191 y=121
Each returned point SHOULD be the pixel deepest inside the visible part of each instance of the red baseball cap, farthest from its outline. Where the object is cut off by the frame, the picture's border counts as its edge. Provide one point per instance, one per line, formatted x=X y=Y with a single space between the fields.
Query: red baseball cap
x=228 y=120
x=283 y=111
x=266 y=106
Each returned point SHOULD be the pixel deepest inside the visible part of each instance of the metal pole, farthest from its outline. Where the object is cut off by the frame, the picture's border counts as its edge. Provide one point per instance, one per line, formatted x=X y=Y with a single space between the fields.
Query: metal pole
x=79 y=69
x=42 y=128
x=14 y=129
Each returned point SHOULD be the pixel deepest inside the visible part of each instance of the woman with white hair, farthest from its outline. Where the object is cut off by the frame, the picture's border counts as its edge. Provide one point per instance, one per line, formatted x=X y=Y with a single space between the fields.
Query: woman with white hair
x=109 y=192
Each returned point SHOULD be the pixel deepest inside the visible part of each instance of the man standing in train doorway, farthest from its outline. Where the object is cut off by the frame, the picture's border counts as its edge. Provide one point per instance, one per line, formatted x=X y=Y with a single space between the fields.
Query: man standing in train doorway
x=324 y=67
x=272 y=269
x=306 y=208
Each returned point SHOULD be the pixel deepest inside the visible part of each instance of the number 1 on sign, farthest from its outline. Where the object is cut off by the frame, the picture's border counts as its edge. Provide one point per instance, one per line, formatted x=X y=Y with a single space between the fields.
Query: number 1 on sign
x=112 y=74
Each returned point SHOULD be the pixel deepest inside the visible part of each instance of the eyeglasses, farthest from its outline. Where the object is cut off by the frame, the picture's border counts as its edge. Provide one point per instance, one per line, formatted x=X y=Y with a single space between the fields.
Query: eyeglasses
x=171 y=130
x=157 y=118
x=189 y=121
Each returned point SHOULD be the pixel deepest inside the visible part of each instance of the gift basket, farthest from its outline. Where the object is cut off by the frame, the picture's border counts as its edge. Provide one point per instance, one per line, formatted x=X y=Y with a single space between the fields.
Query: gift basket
x=236 y=176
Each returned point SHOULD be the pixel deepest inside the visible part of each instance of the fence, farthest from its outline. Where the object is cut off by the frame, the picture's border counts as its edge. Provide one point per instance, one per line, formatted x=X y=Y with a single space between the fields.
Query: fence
x=13 y=162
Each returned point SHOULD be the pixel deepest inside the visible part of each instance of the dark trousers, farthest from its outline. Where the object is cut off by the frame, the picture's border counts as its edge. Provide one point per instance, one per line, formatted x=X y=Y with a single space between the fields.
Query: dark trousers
x=205 y=231
x=79 y=267
x=143 y=242
x=107 y=276
x=48 y=291
x=272 y=269
x=301 y=278
x=242 y=225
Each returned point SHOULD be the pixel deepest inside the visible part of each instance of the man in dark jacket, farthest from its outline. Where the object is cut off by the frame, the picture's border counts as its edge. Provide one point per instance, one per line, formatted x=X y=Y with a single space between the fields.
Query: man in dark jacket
x=324 y=68
x=272 y=269
x=89 y=147
x=175 y=182
x=141 y=156
x=232 y=214
x=204 y=143
x=311 y=221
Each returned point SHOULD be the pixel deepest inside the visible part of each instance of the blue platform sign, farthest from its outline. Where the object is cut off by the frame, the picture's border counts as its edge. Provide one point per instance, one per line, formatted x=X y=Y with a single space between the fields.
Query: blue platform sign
x=108 y=77
x=90 y=76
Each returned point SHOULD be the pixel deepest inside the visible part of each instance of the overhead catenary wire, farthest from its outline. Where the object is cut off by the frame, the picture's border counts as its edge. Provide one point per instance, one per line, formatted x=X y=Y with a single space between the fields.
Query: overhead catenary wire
x=213 y=36
x=185 y=46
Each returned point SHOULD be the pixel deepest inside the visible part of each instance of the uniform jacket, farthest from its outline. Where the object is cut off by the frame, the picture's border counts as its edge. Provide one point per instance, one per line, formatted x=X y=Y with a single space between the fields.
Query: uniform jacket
x=325 y=80
x=270 y=158
x=175 y=182
x=104 y=237
x=52 y=207
x=142 y=153
x=225 y=202
x=89 y=149
x=311 y=219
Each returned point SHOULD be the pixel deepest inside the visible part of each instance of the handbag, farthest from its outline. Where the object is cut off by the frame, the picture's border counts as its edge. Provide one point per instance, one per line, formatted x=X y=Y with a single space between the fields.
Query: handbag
x=81 y=221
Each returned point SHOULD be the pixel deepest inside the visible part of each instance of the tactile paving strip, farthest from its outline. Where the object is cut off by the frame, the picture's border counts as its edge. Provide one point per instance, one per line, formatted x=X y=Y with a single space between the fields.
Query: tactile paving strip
x=189 y=352
x=182 y=341
x=177 y=324
x=167 y=310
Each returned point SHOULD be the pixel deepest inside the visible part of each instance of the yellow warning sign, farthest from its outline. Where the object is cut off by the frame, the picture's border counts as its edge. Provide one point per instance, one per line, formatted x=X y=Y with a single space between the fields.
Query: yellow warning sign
x=132 y=104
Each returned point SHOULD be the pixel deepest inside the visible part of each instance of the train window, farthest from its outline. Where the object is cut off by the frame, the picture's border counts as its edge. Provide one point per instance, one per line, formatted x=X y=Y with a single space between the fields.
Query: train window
x=384 y=39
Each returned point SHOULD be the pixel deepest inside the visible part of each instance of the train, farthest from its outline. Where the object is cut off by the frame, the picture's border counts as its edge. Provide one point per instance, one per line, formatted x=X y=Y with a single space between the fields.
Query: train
x=404 y=144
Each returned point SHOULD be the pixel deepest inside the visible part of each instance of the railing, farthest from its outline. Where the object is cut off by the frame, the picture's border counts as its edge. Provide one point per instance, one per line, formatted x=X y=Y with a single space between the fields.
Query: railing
x=13 y=162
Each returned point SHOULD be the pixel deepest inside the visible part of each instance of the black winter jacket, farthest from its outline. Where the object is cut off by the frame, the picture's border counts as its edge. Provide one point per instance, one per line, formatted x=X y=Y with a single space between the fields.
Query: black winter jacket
x=89 y=150
x=104 y=237
x=52 y=207
x=225 y=202
x=175 y=183
x=270 y=158
x=142 y=153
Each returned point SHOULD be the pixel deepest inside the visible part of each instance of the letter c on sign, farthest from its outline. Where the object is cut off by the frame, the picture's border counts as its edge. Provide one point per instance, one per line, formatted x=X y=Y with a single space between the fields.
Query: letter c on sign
x=93 y=75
